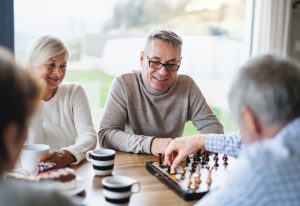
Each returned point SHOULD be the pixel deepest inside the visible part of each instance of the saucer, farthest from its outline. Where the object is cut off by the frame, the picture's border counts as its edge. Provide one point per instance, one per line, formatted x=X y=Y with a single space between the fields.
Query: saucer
x=80 y=186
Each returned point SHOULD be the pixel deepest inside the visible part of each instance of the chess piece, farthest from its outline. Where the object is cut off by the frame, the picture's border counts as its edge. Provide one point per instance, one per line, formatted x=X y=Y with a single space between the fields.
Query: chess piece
x=216 y=165
x=216 y=158
x=189 y=181
x=182 y=165
x=203 y=160
x=173 y=171
x=206 y=157
x=199 y=172
x=198 y=154
x=209 y=180
x=160 y=163
x=225 y=163
x=187 y=160
x=192 y=170
x=194 y=157
x=197 y=175
x=197 y=179
x=194 y=186
x=168 y=169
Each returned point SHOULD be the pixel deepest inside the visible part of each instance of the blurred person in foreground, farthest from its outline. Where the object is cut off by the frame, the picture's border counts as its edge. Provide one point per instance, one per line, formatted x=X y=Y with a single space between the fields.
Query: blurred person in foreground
x=20 y=95
x=265 y=101
x=64 y=119
x=146 y=109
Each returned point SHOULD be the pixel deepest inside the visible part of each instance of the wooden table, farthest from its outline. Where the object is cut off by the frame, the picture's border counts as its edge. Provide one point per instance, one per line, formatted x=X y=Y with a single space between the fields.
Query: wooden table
x=153 y=192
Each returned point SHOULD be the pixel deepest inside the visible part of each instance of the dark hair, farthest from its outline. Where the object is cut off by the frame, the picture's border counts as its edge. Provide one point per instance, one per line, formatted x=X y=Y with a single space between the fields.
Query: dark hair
x=19 y=93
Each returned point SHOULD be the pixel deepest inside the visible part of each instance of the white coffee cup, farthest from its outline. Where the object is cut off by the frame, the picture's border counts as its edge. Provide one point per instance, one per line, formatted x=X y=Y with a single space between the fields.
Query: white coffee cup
x=118 y=189
x=30 y=155
x=102 y=161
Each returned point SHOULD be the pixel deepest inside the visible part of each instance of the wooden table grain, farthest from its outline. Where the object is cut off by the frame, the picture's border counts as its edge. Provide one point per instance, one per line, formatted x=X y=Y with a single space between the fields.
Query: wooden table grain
x=153 y=192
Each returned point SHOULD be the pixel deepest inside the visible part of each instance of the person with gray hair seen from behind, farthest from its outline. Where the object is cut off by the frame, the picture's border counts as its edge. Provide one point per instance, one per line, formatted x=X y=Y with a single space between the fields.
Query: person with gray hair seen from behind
x=146 y=109
x=20 y=95
x=265 y=101
x=64 y=120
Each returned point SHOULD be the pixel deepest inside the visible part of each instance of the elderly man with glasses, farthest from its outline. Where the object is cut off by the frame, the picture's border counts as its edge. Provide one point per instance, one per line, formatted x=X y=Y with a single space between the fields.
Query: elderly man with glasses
x=146 y=109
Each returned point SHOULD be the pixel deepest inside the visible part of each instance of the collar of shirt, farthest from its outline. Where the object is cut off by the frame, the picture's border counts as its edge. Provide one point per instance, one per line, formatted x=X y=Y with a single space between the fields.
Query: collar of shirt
x=284 y=143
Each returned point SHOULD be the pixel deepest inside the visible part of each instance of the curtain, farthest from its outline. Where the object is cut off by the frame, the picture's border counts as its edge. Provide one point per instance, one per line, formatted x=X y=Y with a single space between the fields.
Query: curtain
x=271 y=27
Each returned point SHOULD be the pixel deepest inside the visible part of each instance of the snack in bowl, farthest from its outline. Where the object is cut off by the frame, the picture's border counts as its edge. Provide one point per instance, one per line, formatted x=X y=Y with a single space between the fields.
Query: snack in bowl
x=64 y=179
x=45 y=166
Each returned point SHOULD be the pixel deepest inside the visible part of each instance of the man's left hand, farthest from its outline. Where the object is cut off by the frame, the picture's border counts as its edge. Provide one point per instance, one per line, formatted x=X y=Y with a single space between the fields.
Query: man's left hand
x=159 y=145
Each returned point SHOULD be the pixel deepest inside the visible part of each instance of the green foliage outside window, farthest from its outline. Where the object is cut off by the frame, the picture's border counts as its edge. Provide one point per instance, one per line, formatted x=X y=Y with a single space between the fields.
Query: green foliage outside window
x=97 y=84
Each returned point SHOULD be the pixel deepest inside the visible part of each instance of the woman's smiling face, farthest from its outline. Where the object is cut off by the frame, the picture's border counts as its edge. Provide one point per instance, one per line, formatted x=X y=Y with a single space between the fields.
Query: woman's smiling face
x=54 y=70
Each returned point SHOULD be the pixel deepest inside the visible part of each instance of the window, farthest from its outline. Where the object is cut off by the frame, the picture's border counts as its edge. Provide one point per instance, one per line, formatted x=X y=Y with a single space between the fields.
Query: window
x=97 y=32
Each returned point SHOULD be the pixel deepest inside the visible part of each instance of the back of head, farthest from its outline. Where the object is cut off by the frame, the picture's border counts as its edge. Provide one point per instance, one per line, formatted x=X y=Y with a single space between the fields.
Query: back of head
x=166 y=36
x=19 y=94
x=44 y=48
x=270 y=87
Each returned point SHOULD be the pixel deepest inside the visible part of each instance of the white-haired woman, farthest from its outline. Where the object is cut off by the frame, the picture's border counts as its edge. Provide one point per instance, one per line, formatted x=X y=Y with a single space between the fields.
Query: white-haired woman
x=64 y=121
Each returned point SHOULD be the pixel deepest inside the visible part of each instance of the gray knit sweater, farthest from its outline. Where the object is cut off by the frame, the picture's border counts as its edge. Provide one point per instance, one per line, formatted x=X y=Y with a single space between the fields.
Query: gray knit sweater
x=134 y=114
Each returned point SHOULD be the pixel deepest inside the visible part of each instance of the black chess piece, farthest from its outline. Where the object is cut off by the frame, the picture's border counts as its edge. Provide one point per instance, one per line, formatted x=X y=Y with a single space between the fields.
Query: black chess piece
x=203 y=162
x=160 y=163
x=188 y=159
x=225 y=158
x=206 y=157
x=192 y=170
x=195 y=159
x=198 y=154
x=168 y=169
x=216 y=158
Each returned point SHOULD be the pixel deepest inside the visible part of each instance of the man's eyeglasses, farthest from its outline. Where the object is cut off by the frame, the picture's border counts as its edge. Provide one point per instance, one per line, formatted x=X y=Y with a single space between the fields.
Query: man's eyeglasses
x=159 y=65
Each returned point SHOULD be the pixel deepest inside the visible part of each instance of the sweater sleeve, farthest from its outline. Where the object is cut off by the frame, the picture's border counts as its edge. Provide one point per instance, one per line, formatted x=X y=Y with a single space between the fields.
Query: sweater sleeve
x=112 y=132
x=200 y=113
x=82 y=118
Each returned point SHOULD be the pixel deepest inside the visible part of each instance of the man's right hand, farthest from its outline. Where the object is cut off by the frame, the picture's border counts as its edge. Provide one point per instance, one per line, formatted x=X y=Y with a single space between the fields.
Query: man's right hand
x=181 y=147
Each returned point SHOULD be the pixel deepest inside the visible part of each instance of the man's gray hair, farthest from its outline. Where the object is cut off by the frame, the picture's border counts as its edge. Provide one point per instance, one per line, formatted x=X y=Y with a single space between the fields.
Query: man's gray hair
x=166 y=36
x=270 y=87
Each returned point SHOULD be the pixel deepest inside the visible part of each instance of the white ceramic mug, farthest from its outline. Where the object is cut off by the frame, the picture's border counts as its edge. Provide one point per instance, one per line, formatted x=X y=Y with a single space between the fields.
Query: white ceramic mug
x=118 y=189
x=30 y=155
x=102 y=161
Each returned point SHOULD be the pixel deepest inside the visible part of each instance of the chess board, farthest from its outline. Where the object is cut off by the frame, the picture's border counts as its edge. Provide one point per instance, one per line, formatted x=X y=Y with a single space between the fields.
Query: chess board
x=195 y=177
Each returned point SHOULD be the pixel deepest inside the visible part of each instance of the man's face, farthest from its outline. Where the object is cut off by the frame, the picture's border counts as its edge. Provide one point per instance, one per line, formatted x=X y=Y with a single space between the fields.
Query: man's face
x=249 y=126
x=159 y=51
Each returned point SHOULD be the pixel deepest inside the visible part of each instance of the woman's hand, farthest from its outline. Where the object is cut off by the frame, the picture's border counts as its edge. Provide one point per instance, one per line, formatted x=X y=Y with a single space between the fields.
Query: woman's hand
x=61 y=158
